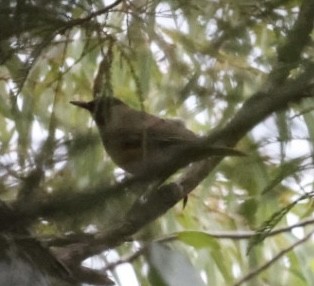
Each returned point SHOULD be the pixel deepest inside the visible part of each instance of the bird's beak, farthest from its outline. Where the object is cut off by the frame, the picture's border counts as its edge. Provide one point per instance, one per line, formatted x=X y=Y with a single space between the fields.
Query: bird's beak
x=82 y=104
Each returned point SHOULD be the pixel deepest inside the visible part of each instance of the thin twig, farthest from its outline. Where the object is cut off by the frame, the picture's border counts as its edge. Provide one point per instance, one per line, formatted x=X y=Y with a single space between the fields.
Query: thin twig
x=220 y=235
x=136 y=254
x=263 y=267
x=80 y=21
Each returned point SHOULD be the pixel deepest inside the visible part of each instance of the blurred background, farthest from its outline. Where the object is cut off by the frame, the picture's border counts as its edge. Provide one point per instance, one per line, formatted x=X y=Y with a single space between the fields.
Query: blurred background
x=194 y=60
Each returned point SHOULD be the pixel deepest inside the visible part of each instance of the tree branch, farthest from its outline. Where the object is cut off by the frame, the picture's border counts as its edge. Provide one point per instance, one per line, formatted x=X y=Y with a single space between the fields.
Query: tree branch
x=234 y=235
x=88 y=245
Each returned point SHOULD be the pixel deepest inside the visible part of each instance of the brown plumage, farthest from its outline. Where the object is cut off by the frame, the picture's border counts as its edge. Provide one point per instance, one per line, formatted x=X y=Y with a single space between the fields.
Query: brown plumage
x=146 y=145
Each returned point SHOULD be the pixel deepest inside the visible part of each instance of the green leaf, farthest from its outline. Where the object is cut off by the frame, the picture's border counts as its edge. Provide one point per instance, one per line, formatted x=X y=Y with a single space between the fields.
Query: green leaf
x=198 y=239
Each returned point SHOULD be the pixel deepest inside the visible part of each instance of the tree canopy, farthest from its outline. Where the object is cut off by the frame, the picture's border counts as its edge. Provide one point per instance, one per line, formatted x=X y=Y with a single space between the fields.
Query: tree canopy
x=238 y=72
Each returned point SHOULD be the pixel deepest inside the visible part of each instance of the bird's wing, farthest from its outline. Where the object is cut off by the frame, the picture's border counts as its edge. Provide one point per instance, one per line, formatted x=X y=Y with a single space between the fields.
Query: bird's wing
x=135 y=126
x=168 y=131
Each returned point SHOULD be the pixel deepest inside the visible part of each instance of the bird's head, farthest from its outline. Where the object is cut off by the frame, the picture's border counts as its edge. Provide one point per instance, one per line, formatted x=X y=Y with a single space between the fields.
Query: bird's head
x=100 y=108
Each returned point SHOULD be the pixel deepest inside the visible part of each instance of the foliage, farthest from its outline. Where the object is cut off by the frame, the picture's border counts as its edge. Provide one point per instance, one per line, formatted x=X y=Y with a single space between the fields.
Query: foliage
x=242 y=68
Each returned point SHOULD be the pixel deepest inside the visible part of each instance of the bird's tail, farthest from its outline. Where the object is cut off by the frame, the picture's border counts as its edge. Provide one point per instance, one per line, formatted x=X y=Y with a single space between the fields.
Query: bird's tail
x=201 y=150
x=223 y=151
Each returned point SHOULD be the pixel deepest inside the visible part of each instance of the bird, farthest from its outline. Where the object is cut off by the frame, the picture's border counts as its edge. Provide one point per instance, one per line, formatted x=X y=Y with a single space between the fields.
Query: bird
x=146 y=145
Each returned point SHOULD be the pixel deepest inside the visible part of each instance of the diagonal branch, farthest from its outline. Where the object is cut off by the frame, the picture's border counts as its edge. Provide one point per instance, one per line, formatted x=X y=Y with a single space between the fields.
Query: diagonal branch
x=269 y=263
